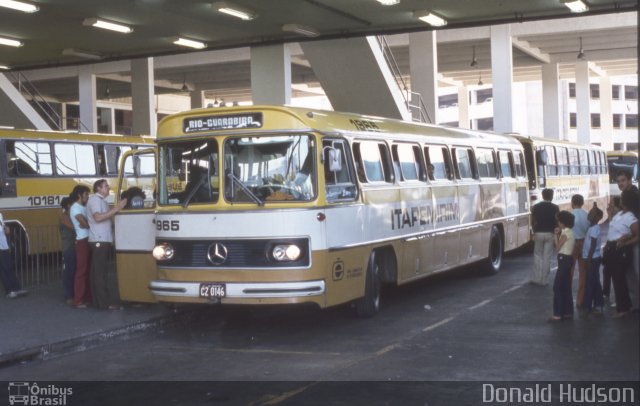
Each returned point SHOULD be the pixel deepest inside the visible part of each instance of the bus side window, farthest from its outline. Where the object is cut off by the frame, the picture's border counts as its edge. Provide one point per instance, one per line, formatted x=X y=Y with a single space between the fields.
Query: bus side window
x=74 y=159
x=552 y=163
x=603 y=162
x=438 y=163
x=362 y=177
x=518 y=160
x=101 y=160
x=340 y=185
x=593 y=162
x=584 y=161
x=409 y=165
x=486 y=163
x=506 y=164
x=563 y=161
x=463 y=160
x=30 y=158
x=574 y=162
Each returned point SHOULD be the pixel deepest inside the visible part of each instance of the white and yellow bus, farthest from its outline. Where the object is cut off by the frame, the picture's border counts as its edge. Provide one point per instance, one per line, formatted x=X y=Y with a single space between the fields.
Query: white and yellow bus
x=622 y=161
x=568 y=168
x=38 y=169
x=275 y=205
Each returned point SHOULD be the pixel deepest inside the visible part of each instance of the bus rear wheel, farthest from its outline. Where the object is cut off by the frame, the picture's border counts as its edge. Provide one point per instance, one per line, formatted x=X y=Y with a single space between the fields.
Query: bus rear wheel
x=496 y=249
x=369 y=304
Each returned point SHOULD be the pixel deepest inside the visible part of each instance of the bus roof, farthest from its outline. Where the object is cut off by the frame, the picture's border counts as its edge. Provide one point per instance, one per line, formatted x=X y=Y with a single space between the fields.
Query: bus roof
x=622 y=154
x=551 y=141
x=74 y=136
x=298 y=118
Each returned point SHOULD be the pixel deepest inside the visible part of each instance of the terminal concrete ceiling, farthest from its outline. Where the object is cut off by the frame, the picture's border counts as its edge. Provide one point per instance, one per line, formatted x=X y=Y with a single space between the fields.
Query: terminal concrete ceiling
x=57 y=35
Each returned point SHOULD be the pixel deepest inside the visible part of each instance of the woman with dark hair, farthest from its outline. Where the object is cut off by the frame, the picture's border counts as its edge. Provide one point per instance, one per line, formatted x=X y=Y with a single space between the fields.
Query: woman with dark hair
x=618 y=252
x=564 y=242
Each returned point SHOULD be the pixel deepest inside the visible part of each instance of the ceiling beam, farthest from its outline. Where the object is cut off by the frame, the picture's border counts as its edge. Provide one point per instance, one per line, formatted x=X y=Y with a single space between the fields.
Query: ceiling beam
x=534 y=52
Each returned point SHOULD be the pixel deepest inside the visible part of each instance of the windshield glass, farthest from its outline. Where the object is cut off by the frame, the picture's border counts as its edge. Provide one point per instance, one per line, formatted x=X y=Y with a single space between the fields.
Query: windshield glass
x=189 y=172
x=269 y=168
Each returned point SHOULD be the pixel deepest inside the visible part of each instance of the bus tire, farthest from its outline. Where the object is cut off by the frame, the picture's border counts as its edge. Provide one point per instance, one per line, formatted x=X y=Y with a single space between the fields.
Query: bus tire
x=496 y=250
x=369 y=305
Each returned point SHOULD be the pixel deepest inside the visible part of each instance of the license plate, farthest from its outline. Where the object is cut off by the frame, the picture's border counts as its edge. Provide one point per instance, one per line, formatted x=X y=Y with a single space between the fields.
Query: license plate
x=213 y=290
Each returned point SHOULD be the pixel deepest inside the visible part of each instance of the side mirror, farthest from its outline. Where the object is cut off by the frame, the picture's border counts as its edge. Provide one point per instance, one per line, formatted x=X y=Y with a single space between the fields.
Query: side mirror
x=335 y=160
x=541 y=157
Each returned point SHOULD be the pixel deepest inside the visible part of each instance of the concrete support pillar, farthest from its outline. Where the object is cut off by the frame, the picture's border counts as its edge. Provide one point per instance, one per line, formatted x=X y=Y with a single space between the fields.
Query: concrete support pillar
x=145 y=119
x=551 y=111
x=87 y=100
x=502 y=78
x=107 y=117
x=423 y=68
x=606 y=113
x=463 y=107
x=271 y=75
x=583 y=97
x=197 y=99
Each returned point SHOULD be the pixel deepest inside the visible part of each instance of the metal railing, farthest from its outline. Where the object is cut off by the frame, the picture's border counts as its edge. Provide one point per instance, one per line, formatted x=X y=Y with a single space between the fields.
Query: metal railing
x=39 y=103
x=43 y=267
x=417 y=109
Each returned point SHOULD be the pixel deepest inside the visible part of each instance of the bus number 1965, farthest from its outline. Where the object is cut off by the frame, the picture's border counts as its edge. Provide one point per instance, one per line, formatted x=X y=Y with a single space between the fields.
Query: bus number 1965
x=44 y=200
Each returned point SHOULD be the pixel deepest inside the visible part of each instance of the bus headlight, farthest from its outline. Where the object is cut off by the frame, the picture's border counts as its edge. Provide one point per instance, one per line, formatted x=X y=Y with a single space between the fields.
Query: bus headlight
x=163 y=252
x=283 y=252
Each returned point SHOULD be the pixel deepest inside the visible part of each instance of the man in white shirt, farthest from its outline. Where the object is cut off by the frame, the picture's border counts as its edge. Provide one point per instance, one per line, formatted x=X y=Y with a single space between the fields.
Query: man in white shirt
x=101 y=244
x=7 y=271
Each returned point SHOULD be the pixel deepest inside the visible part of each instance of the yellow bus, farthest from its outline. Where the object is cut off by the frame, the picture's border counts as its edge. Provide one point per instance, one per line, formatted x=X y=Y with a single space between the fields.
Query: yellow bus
x=621 y=161
x=38 y=169
x=276 y=205
x=568 y=168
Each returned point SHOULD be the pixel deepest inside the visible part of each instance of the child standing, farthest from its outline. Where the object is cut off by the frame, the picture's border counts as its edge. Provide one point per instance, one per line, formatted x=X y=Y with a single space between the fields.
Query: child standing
x=564 y=241
x=592 y=255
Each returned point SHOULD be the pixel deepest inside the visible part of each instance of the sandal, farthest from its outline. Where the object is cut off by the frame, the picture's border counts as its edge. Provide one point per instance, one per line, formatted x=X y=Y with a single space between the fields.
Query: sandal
x=81 y=306
x=554 y=319
x=115 y=307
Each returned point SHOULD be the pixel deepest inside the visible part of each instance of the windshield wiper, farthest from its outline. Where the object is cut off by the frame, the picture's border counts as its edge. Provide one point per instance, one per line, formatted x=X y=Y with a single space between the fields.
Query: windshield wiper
x=234 y=179
x=193 y=191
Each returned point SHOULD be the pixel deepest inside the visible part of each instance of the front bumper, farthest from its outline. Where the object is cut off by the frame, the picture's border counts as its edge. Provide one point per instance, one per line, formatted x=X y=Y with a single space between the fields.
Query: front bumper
x=167 y=289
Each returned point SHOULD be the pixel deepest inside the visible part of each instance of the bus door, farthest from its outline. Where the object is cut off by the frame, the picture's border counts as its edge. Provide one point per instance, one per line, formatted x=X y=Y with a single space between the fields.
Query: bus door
x=135 y=225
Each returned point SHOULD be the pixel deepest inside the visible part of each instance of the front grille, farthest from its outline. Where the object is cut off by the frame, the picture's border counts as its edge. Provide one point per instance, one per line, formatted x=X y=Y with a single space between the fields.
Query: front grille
x=240 y=253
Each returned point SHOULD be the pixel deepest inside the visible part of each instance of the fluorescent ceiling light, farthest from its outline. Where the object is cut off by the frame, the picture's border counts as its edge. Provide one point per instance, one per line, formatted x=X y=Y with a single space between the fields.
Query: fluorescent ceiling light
x=184 y=42
x=20 y=6
x=4 y=67
x=301 y=29
x=234 y=10
x=576 y=6
x=80 y=53
x=388 y=2
x=430 y=18
x=107 y=25
x=10 y=42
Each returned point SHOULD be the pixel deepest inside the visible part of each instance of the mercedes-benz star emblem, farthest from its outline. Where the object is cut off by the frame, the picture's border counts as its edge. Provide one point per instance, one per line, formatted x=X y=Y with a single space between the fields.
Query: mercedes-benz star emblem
x=217 y=253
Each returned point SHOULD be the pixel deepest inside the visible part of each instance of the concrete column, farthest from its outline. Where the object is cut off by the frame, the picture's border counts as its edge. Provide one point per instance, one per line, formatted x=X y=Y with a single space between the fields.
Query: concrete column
x=271 y=74
x=423 y=68
x=606 y=113
x=145 y=119
x=463 y=107
x=197 y=99
x=502 y=78
x=551 y=111
x=87 y=100
x=107 y=117
x=583 y=97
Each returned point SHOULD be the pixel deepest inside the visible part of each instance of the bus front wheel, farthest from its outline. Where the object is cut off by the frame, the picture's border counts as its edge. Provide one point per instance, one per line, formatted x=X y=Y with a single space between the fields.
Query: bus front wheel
x=369 y=304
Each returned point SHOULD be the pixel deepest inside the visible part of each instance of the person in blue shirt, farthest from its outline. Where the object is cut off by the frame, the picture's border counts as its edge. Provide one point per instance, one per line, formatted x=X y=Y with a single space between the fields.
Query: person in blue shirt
x=592 y=256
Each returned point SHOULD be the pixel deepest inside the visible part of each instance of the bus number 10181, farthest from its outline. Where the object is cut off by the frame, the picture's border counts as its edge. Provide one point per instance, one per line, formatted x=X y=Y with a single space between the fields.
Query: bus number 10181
x=43 y=200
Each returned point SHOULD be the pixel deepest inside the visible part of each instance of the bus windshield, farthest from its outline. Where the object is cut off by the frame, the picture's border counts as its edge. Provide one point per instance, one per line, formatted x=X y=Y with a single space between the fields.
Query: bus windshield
x=188 y=172
x=269 y=169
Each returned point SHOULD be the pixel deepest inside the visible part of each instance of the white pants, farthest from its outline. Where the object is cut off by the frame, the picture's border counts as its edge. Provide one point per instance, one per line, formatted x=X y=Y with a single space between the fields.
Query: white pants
x=543 y=249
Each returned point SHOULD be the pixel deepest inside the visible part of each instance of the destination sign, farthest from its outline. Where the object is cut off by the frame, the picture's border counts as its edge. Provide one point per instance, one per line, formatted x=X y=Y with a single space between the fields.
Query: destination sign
x=222 y=122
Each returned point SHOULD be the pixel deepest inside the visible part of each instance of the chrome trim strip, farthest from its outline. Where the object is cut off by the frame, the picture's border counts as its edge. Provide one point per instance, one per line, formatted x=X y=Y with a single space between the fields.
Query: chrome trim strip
x=241 y=290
